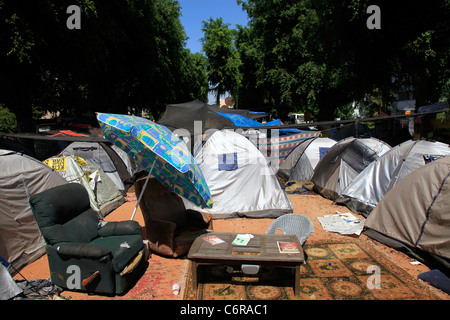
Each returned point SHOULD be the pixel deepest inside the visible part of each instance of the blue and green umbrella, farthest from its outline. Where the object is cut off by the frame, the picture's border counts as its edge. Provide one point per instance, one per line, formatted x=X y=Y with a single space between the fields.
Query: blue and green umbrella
x=160 y=152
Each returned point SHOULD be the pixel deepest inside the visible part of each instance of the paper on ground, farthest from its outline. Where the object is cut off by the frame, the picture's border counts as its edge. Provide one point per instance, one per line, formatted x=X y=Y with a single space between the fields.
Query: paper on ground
x=343 y=223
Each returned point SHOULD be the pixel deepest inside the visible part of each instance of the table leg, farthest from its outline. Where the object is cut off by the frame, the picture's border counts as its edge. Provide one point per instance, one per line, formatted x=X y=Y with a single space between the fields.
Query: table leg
x=297 y=280
x=194 y=266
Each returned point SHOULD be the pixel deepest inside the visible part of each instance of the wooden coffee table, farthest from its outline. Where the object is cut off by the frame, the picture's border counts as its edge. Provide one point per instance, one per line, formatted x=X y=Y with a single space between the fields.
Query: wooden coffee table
x=262 y=249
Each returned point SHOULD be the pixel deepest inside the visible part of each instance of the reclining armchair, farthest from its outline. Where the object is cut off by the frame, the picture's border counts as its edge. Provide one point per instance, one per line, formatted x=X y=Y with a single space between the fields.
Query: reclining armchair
x=84 y=254
x=169 y=227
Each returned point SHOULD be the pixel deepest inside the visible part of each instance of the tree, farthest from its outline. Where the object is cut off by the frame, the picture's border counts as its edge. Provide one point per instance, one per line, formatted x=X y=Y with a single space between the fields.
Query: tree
x=195 y=76
x=8 y=121
x=412 y=44
x=320 y=55
x=282 y=36
x=127 y=54
x=223 y=59
x=250 y=95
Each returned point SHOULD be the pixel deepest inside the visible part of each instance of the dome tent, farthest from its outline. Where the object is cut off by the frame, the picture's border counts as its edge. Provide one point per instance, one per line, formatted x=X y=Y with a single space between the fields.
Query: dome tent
x=369 y=187
x=241 y=181
x=22 y=176
x=300 y=163
x=103 y=156
x=103 y=193
x=184 y=115
x=414 y=215
x=343 y=162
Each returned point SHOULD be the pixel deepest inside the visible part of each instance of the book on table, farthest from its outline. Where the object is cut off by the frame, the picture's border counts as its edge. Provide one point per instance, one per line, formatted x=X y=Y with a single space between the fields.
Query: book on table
x=287 y=247
x=213 y=240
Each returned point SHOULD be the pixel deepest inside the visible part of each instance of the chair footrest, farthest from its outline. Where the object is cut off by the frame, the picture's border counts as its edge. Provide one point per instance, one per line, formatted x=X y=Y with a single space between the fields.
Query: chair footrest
x=130 y=267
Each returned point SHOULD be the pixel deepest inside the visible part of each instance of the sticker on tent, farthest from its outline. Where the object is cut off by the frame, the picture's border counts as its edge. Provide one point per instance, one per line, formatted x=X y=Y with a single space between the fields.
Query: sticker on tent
x=227 y=161
x=322 y=151
x=57 y=164
x=430 y=158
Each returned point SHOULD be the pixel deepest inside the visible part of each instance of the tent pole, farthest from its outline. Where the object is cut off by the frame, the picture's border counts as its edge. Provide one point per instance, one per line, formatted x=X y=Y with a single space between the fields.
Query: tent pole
x=143 y=189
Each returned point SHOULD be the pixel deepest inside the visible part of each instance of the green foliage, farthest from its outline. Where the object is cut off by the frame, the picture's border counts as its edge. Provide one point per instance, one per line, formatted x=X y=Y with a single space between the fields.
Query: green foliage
x=127 y=54
x=294 y=55
x=344 y=112
x=8 y=122
x=320 y=56
x=223 y=59
x=195 y=76
x=22 y=42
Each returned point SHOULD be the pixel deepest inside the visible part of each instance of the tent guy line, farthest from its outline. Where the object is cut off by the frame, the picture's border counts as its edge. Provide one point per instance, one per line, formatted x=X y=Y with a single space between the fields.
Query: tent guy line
x=286 y=126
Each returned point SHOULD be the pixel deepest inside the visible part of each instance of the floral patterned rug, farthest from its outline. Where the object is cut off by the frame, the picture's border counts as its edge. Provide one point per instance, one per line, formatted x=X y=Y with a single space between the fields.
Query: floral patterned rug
x=333 y=271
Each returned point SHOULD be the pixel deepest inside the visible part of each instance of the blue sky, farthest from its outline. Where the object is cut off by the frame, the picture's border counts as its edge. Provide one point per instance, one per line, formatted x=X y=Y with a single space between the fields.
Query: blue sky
x=194 y=11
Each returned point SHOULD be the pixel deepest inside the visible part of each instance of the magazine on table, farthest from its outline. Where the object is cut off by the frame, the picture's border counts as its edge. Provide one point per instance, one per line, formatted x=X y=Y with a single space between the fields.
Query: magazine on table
x=213 y=240
x=287 y=247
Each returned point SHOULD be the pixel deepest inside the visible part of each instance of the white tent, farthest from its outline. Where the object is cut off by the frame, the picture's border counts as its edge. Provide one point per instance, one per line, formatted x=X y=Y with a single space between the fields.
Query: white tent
x=299 y=165
x=370 y=186
x=343 y=162
x=241 y=181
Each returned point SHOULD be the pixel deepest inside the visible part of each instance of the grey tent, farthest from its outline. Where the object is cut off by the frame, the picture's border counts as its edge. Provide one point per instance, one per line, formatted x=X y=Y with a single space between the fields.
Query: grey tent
x=9 y=144
x=21 y=176
x=240 y=179
x=414 y=215
x=8 y=287
x=184 y=115
x=103 y=193
x=134 y=169
x=299 y=165
x=343 y=162
x=369 y=187
x=350 y=131
x=103 y=156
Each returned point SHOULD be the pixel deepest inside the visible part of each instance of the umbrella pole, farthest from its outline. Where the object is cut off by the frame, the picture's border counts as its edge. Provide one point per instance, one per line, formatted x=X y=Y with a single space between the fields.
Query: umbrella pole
x=143 y=189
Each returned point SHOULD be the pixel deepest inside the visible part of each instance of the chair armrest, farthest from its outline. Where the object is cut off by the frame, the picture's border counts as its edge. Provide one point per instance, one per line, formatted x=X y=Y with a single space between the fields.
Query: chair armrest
x=199 y=219
x=119 y=228
x=82 y=250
